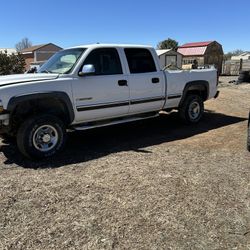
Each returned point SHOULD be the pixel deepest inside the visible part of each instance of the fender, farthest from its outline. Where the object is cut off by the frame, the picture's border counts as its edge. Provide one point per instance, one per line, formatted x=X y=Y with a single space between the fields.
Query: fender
x=61 y=96
x=200 y=85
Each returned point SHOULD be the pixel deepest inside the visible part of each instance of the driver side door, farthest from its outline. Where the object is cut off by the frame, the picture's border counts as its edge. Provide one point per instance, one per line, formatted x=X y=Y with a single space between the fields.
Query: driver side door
x=105 y=93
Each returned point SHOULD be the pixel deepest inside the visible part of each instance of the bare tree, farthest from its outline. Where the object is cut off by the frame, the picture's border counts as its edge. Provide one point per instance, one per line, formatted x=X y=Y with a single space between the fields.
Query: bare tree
x=23 y=44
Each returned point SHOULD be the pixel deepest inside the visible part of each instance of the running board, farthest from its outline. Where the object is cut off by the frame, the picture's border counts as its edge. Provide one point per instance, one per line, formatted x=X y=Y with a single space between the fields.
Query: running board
x=115 y=121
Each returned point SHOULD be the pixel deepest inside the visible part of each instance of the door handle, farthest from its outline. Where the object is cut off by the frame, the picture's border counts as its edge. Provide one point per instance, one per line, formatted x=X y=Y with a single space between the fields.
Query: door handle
x=155 y=80
x=123 y=83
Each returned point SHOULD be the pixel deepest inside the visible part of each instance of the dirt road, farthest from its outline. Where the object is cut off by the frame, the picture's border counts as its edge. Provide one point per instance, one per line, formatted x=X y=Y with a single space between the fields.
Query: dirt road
x=156 y=184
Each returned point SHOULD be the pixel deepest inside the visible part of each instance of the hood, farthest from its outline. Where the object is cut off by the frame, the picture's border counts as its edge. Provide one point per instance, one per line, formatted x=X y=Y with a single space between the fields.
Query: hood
x=21 y=78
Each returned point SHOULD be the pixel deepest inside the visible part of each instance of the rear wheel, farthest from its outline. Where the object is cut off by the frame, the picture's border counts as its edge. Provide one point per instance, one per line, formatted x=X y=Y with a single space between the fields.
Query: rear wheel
x=192 y=109
x=41 y=136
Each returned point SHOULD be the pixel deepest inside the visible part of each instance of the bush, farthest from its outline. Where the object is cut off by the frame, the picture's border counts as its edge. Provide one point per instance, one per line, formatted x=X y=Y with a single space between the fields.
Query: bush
x=168 y=44
x=11 y=64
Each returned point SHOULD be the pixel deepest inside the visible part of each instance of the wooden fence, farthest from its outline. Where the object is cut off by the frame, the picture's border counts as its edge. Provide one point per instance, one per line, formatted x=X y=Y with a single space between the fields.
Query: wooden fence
x=233 y=68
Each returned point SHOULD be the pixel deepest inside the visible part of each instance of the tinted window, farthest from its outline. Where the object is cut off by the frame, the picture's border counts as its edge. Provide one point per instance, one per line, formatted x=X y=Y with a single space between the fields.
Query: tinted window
x=140 y=60
x=105 y=61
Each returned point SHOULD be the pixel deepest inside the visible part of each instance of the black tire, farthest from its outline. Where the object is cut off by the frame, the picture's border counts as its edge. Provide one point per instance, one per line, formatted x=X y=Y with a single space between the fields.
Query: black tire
x=41 y=136
x=248 y=137
x=194 y=102
x=243 y=77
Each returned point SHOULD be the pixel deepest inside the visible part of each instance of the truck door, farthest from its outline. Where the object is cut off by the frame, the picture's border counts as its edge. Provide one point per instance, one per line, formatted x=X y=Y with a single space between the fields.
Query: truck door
x=147 y=85
x=105 y=93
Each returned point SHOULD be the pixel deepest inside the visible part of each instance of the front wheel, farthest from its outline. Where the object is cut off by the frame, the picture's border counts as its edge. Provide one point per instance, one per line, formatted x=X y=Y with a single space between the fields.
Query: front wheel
x=41 y=136
x=192 y=109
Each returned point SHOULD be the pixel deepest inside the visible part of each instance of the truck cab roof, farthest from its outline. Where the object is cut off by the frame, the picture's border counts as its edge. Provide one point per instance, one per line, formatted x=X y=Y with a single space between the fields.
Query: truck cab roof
x=109 y=45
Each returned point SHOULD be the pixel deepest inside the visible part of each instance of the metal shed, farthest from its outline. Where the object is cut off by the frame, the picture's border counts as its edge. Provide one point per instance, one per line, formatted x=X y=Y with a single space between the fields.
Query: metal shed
x=169 y=57
x=205 y=53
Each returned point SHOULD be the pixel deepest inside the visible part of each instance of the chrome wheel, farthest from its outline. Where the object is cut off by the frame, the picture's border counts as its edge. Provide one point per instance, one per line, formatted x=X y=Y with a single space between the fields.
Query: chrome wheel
x=45 y=138
x=194 y=110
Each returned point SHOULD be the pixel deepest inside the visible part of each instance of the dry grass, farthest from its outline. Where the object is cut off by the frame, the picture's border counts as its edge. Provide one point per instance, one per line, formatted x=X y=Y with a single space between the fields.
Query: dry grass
x=155 y=184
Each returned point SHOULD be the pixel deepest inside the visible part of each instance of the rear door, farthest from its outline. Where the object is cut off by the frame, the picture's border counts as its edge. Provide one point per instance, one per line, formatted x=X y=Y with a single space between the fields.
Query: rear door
x=104 y=94
x=146 y=82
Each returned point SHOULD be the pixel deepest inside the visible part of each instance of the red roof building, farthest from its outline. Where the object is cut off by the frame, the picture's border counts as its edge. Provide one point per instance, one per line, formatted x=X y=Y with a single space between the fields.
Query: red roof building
x=205 y=53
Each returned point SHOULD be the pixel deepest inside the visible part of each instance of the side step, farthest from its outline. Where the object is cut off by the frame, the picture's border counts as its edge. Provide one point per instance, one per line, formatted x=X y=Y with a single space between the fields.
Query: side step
x=120 y=120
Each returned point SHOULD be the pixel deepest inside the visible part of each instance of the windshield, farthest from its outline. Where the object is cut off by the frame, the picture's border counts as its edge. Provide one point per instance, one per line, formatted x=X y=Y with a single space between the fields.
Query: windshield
x=62 y=62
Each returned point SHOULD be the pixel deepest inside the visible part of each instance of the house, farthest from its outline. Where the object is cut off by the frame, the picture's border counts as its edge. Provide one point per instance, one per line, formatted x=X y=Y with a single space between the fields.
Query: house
x=205 y=53
x=169 y=57
x=243 y=56
x=237 y=64
x=36 y=55
x=9 y=51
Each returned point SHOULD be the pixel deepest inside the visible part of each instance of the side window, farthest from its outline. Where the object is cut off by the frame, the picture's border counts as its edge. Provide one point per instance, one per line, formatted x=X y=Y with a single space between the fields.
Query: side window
x=106 y=61
x=140 y=60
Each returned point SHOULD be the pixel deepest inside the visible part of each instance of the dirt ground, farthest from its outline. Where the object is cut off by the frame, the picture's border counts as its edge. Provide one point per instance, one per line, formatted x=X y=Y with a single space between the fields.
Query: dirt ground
x=156 y=184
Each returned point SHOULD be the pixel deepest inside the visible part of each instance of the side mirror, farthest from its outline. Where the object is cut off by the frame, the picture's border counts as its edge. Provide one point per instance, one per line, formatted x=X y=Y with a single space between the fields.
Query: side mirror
x=87 y=70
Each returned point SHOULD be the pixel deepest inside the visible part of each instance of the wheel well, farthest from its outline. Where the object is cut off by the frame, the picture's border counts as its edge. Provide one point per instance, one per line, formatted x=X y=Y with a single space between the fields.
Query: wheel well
x=200 y=88
x=199 y=92
x=32 y=107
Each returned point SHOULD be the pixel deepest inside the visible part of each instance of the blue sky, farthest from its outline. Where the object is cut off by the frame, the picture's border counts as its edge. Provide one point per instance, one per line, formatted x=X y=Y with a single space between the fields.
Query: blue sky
x=69 y=23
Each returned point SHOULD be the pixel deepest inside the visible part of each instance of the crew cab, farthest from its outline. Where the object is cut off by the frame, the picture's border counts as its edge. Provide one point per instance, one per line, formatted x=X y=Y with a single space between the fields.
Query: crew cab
x=96 y=85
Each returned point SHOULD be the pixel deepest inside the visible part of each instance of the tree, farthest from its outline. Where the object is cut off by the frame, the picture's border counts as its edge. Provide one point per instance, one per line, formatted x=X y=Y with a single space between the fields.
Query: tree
x=168 y=44
x=23 y=44
x=11 y=64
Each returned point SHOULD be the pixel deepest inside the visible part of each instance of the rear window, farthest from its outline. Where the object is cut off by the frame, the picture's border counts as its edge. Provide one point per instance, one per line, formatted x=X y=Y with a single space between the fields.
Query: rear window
x=140 y=61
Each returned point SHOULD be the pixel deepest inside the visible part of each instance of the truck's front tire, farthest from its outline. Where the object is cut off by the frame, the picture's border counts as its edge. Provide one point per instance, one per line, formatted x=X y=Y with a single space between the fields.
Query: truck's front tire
x=192 y=109
x=41 y=136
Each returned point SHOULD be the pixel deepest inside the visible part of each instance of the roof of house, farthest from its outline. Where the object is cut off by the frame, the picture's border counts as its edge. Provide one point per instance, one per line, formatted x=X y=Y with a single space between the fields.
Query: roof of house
x=196 y=44
x=194 y=49
x=33 y=48
x=36 y=47
x=244 y=54
x=162 y=51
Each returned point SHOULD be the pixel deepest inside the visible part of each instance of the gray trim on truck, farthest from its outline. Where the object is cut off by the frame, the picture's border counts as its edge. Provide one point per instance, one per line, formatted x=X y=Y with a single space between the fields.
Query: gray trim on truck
x=61 y=96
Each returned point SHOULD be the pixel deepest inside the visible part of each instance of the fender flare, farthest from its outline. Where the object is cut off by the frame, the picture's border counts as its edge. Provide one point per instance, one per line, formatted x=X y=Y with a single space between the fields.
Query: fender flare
x=58 y=95
x=201 y=85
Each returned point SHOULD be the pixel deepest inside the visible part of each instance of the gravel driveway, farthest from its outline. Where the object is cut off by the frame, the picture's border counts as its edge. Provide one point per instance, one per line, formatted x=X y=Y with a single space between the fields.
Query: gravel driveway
x=156 y=184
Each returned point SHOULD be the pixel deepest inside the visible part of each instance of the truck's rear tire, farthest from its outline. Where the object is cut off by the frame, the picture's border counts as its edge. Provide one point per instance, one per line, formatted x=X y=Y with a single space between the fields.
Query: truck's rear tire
x=192 y=109
x=41 y=136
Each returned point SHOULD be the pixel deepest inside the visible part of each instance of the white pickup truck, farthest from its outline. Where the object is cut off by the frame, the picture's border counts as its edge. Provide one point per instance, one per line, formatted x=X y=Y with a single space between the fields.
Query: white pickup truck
x=96 y=85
